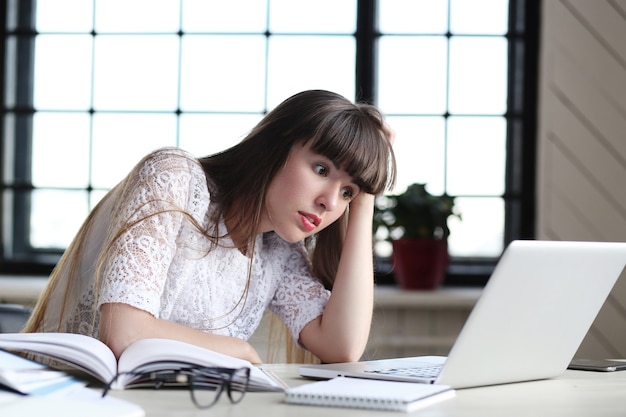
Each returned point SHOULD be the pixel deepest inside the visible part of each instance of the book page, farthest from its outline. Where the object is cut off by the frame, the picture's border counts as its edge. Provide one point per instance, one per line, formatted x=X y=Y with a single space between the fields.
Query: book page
x=158 y=354
x=83 y=352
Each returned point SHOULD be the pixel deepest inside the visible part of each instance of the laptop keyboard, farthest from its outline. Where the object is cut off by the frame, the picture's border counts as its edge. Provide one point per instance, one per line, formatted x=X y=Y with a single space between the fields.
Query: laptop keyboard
x=413 y=372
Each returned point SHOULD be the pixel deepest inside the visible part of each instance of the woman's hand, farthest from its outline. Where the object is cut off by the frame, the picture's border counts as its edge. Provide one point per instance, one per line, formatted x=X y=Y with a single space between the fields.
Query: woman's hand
x=389 y=133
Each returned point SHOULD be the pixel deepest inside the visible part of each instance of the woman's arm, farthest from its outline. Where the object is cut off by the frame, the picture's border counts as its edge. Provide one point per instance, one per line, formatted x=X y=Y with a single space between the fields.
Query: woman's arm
x=137 y=266
x=341 y=333
x=121 y=325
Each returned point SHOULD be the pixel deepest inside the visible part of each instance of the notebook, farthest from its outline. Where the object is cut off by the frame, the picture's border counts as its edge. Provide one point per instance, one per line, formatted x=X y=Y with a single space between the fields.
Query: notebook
x=532 y=316
x=368 y=394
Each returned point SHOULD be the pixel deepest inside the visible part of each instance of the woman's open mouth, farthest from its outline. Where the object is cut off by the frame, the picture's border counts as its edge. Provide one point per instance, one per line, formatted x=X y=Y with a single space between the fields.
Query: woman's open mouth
x=309 y=221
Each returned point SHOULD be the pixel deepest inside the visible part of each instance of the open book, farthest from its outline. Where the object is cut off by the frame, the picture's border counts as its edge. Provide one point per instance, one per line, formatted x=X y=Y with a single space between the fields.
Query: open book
x=92 y=356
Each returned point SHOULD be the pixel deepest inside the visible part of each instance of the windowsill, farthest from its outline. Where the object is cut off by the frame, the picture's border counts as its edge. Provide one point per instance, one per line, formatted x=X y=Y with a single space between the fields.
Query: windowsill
x=21 y=289
x=444 y=297
x=26 y=290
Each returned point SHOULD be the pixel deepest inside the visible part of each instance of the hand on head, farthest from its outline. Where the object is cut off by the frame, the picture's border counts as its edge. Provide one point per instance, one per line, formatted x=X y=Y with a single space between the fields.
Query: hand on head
x=389 y=133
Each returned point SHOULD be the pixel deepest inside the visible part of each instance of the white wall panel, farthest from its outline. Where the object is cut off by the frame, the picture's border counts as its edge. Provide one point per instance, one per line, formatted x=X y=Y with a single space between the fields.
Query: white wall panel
x=581 y=185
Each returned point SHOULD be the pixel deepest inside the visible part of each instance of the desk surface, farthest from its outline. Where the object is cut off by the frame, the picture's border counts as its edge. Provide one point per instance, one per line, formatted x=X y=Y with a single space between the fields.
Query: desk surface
x=575 y=393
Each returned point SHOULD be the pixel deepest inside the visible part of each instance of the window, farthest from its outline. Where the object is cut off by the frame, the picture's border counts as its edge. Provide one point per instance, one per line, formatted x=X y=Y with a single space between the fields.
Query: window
x=92 y=86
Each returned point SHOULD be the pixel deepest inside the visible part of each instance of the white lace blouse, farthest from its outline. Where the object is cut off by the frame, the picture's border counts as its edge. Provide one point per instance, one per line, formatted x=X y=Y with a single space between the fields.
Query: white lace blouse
x=163 y=265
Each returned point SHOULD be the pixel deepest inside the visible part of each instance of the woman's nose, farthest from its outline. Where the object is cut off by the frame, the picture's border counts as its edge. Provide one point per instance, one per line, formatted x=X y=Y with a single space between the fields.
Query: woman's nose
x=329 y=199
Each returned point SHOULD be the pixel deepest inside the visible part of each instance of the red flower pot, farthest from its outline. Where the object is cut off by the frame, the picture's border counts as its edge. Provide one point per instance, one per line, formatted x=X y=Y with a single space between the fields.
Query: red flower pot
x=420 y=264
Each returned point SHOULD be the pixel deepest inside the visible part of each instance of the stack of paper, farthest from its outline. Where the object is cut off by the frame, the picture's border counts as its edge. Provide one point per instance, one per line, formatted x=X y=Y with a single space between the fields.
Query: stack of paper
x=30 y=388
x=80 y=402
x=28 y=377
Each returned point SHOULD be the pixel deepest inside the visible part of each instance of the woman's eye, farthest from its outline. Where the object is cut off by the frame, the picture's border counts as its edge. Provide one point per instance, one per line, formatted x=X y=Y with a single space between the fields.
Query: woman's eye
x=321 y=170
x=348 y=193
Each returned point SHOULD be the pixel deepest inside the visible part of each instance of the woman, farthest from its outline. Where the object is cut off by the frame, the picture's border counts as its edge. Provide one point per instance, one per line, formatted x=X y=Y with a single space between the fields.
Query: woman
x=196 y=250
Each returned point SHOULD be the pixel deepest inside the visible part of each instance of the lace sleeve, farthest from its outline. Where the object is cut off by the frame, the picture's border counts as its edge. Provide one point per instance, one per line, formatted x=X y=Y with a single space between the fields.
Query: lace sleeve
x=300 y=297
x=136 y=267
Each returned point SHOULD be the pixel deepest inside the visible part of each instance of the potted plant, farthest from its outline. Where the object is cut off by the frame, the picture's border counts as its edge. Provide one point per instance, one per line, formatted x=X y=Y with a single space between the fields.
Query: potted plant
x=416 y=223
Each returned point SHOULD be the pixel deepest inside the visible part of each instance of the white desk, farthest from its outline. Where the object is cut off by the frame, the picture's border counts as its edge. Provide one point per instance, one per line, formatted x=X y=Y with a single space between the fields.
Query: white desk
x=575 y=393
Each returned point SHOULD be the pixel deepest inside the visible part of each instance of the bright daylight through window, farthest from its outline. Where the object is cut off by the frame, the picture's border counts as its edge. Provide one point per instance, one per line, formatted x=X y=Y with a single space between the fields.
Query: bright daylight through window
x=115 y=79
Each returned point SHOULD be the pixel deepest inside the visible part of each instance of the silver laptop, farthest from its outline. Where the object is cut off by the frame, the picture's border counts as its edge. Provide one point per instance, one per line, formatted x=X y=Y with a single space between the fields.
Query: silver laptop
x=530 y=320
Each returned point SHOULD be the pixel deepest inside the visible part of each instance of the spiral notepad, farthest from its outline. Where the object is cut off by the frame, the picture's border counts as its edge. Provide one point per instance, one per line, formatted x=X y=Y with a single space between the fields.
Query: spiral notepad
x=368 y=394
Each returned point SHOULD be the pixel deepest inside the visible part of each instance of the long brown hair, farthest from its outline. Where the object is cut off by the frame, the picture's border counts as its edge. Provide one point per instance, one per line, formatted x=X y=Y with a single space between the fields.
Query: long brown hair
x=350 y=135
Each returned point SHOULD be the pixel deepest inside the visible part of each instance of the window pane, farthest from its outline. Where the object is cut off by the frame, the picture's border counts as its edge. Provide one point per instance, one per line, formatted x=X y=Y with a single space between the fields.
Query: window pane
x=481 y=230
x=62 y=72
x=297 y=63
x=413 y=16
x=320 y=16
x=412 y=74
x=95 y=197
x=223 y=73
x=420 y=152
x=184 y=69
x=476 y=155
x=56 y=216
x=137 y=16
x=206 y=134
x=60 y=156
x=135 y=134
x=64 y=15
x=225 y=16
x=489 y=17
x=136 y=72
x=478 y=75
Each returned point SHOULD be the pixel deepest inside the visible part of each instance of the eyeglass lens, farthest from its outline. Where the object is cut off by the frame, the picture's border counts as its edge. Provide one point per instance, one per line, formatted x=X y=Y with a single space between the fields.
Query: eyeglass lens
x=205 y=393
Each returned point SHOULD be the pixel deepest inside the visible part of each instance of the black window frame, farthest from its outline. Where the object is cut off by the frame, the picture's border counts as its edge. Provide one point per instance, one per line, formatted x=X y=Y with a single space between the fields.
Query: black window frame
x=16 y=88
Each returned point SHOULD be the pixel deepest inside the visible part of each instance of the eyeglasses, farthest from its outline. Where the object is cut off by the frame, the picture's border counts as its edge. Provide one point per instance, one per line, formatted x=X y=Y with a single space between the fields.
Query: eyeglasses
x=205 y=384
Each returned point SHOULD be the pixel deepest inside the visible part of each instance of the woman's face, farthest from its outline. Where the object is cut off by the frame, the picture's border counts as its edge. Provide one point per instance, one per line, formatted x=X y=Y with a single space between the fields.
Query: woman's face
x=306 y=195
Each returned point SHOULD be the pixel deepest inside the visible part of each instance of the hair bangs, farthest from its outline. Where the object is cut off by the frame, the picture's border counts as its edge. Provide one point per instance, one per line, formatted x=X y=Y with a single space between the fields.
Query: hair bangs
x=357 y=145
